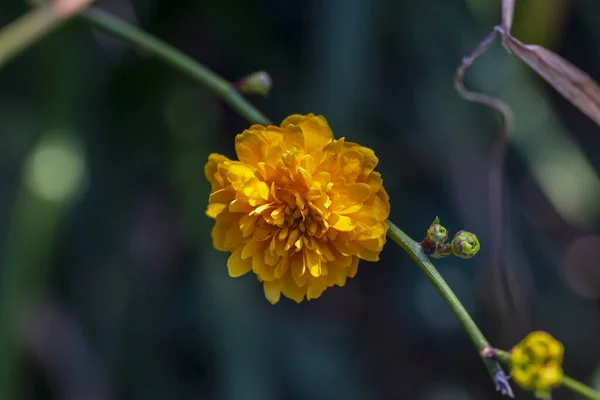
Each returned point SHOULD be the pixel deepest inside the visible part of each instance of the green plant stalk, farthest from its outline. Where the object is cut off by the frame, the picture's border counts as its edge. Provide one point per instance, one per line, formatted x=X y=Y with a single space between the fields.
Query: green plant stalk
x=580 y=388
x=567 y=382
x=176 y=59
x=26 y=30
x=416 y=253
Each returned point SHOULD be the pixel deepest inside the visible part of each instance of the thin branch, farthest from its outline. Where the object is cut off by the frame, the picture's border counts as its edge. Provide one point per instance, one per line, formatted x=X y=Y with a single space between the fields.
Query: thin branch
x=31 y=27
x=415 y=252
x=498 y=151
x=176 y=59
x=580 y=388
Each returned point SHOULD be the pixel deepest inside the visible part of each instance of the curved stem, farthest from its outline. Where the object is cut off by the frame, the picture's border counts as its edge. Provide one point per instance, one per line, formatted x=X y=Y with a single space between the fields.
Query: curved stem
x=176 y=59
x=416 y=253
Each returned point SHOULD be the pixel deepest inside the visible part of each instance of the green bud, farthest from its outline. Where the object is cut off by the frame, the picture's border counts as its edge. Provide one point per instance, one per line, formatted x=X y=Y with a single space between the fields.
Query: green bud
x=436 y=232
x=465 y=244
x=256 y=83
x=442 y=250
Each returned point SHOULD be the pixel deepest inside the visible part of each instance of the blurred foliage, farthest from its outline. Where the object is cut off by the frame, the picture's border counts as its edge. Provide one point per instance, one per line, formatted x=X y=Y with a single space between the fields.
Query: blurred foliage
x=114 y=288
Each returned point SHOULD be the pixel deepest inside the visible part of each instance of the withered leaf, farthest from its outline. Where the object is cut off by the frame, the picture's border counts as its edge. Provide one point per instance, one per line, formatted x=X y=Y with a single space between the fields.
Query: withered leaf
x=574 y=84
x=508 y=9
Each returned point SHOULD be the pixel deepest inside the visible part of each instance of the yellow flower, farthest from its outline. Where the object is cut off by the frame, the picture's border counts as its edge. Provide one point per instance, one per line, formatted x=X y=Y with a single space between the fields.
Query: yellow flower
x=299 y=208
x=536 y=362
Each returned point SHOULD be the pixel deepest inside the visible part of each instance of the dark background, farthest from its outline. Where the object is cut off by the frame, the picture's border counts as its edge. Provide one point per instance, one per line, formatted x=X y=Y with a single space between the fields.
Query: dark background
x=110 y=287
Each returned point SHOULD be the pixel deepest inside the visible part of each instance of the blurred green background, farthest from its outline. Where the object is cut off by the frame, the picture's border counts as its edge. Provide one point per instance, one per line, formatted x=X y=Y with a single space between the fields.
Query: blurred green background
x=110 y=287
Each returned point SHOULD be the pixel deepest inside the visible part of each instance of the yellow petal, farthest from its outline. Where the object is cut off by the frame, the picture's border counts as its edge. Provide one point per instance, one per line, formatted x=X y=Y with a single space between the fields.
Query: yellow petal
x=251 y=248
x=313 y=262
x=341 y=222
x=240 y=206
x=226 y=233
x=293 y=137
x=317 y=132
x=373 y=244
x=353 y=267
x=247 y=225
x=290 y=289
x=260 y=268
x=254 y=145
x=291 y=120
x=355 y=192
x=315 y=289
x=282 y=267
x=368 y=255
x=211 y=170
x=238 y=266
x=215 y=209
x=351 y=165
x=223 y=196
x=374 y=181
x=272 y=259
x=272 y=291
x=298 y=269
x=369 y=162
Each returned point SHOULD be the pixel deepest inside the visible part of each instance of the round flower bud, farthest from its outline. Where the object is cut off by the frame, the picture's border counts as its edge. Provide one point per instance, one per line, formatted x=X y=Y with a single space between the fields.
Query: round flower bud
x=256 y=83
x=536 y=362
x=465 y=244
x=437 y=233
x=442 y=250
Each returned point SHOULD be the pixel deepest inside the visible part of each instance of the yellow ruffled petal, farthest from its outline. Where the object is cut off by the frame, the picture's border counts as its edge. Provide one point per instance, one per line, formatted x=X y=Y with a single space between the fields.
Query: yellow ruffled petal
x=237 y=265
x=317 y=132
x=293 y=137
x=254 y=145
x=211 y=170
x=272 y=291
x=341 y=222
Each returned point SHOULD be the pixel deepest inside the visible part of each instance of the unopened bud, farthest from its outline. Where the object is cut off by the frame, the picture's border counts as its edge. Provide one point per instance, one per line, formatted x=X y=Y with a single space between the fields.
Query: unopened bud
x=465 y=244
x=256 y=83
x=442 y=250
x=437 y=233
x=428 y=247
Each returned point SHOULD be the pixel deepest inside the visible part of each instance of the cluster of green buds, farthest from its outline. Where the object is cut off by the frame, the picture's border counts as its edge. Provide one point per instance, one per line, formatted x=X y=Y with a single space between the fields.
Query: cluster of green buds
x=463 y=245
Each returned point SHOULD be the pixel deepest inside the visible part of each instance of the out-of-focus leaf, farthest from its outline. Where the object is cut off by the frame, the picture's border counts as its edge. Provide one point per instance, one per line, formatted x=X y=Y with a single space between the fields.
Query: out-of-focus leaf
x=574 y=84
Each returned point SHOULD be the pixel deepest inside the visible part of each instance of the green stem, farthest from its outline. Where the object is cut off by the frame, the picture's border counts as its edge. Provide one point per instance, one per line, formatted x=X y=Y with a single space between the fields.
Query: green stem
x=176 y=59
x=26 y=30
x=416 y=253
x=580 y=388
x=567 y=382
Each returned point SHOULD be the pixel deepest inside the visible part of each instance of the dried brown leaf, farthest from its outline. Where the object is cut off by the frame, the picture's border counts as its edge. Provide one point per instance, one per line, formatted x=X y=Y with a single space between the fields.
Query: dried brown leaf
x=574 y=84
x=508 y=10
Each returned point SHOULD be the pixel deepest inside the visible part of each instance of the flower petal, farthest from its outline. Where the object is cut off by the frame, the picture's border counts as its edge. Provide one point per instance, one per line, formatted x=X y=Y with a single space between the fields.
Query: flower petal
x=341 y=222
x=258 y=144
x=293 y=136
x=317 y=132
x=238 y=266
x=272 y=291
x=211 y=170
x=313 y=262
